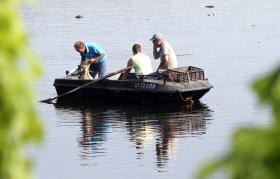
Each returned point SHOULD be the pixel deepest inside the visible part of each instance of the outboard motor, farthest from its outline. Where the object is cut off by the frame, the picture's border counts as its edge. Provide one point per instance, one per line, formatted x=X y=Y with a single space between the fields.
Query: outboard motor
x=78 y=73
x=74 y=73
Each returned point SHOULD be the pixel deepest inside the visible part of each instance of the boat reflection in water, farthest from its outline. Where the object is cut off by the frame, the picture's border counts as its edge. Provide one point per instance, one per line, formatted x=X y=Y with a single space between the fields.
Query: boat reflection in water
x=159 y=126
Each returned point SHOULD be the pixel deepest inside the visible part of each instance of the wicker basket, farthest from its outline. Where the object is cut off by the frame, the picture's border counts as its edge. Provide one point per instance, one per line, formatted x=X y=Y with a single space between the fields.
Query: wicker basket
x=185 y=74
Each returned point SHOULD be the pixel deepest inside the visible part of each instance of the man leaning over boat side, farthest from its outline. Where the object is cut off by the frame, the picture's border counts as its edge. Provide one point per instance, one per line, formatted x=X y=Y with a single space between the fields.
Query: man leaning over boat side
x=140 y=62
x=92 y=53
x=163 y=50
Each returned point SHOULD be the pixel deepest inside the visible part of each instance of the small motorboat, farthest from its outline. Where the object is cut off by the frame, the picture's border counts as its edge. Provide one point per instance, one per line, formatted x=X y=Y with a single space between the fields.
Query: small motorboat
x=179 y=85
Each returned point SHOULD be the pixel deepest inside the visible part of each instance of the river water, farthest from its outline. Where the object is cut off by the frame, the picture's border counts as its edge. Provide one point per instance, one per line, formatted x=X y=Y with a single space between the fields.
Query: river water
x=234 y=42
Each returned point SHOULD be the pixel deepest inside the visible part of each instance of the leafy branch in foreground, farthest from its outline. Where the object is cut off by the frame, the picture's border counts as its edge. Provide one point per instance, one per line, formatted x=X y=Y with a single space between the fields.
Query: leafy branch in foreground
x=18 y=121
x=255 y=151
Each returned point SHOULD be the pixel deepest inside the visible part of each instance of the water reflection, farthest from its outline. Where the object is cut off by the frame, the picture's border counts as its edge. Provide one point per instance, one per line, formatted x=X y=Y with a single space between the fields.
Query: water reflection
x=93 y=134
x=159 y=126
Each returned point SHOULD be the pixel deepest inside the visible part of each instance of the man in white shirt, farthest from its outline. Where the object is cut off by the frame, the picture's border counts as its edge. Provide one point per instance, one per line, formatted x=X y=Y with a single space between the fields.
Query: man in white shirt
x=163 y=50
x=140 y=62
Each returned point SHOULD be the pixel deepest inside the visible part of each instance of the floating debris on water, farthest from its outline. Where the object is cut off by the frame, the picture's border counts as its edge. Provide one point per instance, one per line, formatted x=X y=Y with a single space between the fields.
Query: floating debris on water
x=78 y=16
x=209 y=6
x=211 y=14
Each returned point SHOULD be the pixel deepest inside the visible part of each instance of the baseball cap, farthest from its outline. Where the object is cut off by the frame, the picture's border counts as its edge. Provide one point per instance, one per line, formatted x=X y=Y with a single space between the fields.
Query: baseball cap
x=157 y=36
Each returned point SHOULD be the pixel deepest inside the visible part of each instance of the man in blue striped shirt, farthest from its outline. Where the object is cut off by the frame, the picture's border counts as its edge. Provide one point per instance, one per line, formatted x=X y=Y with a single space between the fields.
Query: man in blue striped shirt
x=92 y=53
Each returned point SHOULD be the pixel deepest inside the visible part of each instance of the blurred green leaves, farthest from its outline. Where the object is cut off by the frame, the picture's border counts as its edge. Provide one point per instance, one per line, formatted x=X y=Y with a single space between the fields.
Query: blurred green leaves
x=19 y=124
x=255 y=152
x=268 y=89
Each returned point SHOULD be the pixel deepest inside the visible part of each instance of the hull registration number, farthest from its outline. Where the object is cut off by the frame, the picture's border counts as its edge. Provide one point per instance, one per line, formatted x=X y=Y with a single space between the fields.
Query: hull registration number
x=141 y=85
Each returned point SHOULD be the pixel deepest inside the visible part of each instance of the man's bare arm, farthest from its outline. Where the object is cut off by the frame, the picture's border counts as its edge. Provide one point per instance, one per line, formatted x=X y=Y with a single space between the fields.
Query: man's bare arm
x=164 y=63
x=155 y=52
x=125 y=74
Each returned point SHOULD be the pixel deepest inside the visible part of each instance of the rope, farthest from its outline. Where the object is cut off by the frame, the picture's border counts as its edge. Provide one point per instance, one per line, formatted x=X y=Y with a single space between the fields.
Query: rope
x=189 y=99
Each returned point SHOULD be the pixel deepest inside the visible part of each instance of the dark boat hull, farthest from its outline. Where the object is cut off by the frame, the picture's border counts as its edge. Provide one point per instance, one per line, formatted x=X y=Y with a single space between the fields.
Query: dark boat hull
x=138 y=91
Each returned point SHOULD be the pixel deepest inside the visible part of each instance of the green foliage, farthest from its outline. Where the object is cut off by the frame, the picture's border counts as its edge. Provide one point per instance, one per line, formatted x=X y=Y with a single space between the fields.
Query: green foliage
x=268 y=89
x=255 y=151
x=18 y=121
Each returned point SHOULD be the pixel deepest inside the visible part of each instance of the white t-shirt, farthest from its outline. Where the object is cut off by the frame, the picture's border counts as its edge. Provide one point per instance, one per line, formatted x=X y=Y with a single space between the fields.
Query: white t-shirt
x=166 y=49
x=141 y=64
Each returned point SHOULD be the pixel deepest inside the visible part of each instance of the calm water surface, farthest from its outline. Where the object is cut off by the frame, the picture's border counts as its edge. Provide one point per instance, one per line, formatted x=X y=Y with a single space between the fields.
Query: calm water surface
x=234 y=42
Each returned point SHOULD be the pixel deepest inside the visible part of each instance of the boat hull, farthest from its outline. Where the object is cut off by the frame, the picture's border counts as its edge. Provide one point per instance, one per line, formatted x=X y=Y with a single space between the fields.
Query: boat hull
x=138 y=91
